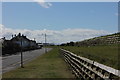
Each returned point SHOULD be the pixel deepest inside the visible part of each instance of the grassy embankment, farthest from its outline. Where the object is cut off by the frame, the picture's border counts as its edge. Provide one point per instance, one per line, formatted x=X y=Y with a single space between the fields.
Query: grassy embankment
x=49 y=65
x=107 y=55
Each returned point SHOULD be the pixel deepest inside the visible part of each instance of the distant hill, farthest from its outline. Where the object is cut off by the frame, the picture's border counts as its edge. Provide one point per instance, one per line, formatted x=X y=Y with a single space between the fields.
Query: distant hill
x=102 y=40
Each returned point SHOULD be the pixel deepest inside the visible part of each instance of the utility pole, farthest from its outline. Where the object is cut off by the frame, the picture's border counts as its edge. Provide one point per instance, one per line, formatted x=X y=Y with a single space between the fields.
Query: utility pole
x=21 y=55
x=45 y=44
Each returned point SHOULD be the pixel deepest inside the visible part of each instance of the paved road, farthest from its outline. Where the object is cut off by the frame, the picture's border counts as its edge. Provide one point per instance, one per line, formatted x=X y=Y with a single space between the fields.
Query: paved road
x=13 y=61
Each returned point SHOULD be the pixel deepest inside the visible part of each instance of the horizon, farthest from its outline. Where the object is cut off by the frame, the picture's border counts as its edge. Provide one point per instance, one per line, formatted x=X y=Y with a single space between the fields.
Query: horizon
x=12 y=36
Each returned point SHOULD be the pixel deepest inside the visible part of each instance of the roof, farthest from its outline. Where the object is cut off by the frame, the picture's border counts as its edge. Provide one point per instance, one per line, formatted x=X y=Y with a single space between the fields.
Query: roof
x=18 y=38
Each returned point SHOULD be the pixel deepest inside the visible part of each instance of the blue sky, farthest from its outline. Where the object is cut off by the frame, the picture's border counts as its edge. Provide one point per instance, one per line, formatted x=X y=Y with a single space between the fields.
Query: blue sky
x=61 y=21
x=62 y=15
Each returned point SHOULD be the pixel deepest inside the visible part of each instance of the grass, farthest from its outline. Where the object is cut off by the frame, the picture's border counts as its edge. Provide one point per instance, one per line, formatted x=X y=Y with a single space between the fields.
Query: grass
x=49 y=65
x=105 y=54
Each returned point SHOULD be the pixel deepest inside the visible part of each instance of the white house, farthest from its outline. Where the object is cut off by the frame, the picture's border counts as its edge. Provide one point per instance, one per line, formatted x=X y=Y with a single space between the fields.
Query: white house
x=24 y=40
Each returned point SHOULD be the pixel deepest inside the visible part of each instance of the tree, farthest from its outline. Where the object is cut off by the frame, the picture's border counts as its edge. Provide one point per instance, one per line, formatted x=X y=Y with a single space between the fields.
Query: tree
x=71 y=43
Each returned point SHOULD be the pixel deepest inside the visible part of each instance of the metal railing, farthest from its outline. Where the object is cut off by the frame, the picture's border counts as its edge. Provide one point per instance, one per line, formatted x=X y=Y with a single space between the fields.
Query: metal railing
x=86 y=69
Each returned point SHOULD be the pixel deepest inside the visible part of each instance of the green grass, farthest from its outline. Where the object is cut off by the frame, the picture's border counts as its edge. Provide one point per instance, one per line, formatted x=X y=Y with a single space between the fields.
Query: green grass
x=49 y=65
x=107 y=55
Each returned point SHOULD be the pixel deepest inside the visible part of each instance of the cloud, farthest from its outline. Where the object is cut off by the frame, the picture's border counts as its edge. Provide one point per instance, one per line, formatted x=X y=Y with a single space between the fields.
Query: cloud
x=43 y=3
x=53 y=36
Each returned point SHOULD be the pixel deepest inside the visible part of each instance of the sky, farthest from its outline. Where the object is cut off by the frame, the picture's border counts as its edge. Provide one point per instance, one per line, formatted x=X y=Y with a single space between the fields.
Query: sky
x=61 y=21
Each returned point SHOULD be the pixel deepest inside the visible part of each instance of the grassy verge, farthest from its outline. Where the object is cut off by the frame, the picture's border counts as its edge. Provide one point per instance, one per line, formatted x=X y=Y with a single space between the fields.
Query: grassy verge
x=49 y=65
x=107 y=55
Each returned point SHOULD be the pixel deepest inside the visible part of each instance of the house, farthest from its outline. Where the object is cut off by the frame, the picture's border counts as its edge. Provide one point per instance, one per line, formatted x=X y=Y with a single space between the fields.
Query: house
x=16 y=44
x=8 y=47
x=24 y=41
x=39 y=45
x=33 y=43
x=21 y=39
x=2 y=40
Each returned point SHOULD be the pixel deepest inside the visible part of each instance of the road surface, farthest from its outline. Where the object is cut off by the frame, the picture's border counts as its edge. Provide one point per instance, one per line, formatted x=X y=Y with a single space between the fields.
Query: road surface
x=13 y=61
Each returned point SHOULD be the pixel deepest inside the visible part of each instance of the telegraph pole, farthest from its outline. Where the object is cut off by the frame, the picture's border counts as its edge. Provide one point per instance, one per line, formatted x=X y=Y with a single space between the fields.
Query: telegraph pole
x=21 y=55
x=45 y=44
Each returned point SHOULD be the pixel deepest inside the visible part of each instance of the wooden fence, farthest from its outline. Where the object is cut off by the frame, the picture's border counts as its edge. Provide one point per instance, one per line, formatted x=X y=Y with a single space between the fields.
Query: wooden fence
x=86 y=69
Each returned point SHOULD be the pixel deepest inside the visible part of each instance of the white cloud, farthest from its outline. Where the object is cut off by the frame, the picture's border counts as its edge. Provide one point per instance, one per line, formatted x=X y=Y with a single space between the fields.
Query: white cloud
x=53 y=36
x=43 y=3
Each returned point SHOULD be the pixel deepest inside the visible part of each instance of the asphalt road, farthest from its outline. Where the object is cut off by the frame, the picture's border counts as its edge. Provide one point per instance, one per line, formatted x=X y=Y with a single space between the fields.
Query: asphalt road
x=13 y=61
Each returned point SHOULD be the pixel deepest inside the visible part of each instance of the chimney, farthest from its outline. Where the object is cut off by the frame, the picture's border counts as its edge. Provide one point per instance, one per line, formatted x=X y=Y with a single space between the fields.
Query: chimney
x=12 y=36
x=23 y=36
x=4 y=38
x=19 y=34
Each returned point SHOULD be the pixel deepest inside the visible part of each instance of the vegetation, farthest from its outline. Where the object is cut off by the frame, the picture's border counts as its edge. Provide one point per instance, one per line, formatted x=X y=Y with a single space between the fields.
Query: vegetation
x=103 y=49
x=104 y=54
x=102 y=40
x=49 y=65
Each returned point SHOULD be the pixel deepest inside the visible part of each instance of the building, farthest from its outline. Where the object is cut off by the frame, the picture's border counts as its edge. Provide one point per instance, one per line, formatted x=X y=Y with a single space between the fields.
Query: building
x=16 y=44
x=2 y=40
x=8 y=47
x=24 y=41
x=39 y=45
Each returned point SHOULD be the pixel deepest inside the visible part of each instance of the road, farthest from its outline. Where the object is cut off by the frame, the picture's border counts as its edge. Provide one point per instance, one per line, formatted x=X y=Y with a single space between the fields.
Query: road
x=13 y=61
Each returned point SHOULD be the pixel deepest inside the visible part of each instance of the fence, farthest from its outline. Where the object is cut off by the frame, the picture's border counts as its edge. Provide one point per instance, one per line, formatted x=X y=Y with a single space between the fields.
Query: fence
x=86 y=69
